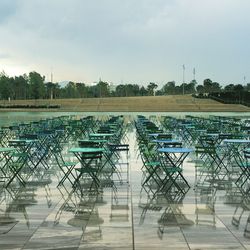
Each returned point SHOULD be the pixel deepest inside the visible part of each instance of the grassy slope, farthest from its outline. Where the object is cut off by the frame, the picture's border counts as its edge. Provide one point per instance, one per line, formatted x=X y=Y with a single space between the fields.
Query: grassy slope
x=140 y=104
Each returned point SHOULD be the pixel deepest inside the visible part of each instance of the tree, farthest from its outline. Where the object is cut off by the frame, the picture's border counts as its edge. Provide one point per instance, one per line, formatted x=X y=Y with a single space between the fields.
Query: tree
x=190 y=87
x=103 y=89
x=151 y=88
x=238 y=88
x=200 y=89
x=37 y=87
x=216 y=87
x=210 y=86
x=6 y=88
x=169 y=88
x=207 y=83
x=49 y=90
x=229 y=88
x=120 y=90
x=81 y=89
x=20 y=87
x=70 y=90
x=247 y=87
x=132 y=89
x=143 y=91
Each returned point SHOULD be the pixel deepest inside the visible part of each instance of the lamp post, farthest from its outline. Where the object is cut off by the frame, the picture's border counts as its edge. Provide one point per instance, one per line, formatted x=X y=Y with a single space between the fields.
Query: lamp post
x=51 y=79
x=183 y=88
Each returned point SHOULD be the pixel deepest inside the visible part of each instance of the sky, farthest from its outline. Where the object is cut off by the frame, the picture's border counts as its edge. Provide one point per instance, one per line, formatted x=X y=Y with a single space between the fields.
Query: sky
x=127 y=41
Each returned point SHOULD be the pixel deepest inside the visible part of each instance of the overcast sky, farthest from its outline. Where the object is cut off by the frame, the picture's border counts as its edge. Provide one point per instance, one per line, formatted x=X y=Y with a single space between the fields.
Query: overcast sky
x=129 y=41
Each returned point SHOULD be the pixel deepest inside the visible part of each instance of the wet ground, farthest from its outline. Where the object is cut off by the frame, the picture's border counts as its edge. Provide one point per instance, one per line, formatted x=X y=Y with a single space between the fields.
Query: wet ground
x=44 y=216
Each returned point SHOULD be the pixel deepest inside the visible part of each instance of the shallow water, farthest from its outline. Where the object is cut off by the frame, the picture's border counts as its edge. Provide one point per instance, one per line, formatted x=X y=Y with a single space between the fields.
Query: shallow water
x=42 y=215
x=8 y=118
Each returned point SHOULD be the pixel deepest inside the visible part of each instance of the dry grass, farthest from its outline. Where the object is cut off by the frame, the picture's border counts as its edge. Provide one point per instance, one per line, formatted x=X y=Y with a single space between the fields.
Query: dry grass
x=137 y=104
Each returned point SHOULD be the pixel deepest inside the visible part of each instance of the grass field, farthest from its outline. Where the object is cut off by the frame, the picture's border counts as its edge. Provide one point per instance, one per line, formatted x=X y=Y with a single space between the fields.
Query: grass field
x=136 y=104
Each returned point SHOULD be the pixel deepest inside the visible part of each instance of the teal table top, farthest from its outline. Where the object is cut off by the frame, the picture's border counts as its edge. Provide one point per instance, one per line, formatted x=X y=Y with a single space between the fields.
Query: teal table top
x=86 y=150
x=236 y=141
x=175 y=150
x=5 y=150
x=101 y=135
x=93 y=140
x=23 y=140
x=165 y=141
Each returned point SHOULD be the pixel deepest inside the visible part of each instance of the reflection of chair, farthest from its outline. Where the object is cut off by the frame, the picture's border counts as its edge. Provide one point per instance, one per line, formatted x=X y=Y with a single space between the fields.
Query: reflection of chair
x=205 y=214
x=85 y=210
x=19 y=200
x=151 y=204
x=247 y=228
x=6 y=223
x=120 y=203
x=239 y=212
x=173 y=216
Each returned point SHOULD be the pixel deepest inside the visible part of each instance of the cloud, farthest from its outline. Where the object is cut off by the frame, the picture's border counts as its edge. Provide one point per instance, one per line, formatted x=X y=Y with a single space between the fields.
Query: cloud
x=4 y=55
x=138 y=41
x=7 y=9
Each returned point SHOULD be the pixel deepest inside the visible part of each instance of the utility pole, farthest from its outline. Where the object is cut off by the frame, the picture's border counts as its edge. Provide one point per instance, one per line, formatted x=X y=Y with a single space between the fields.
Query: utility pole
x=51 y=79
x=183 y=88
x=100 y=90
x=194 y=73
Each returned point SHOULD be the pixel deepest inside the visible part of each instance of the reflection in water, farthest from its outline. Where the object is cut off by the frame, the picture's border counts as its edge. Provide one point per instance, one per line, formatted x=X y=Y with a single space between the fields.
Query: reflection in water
x=17 y=200
x=205 y=199
x=83 y=207
x=120 y=203
x=213 y=177
x=215 y=205
x=241 y=216
x=170 y=203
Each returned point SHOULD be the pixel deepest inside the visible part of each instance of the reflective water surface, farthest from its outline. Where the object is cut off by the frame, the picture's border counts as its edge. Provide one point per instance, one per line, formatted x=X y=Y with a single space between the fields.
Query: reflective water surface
x=124 y=215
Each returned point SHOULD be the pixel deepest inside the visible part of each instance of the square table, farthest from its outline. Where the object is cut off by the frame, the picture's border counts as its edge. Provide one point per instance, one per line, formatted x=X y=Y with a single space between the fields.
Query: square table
x=88 y=158
x=172 y=159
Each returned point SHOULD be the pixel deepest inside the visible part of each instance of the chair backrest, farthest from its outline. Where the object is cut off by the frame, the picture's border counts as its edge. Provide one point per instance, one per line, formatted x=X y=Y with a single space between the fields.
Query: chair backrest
x=247 y=154
x=164 y=136
x=88 y=144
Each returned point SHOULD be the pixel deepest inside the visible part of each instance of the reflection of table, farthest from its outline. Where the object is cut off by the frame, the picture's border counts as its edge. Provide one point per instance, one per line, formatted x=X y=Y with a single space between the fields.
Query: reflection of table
x=88 y=157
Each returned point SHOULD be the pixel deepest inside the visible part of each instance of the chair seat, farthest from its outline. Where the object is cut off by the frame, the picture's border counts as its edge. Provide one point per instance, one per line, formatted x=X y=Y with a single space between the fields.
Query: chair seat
x=69 y=164
x=245 y=165
x=153 y=163
x=16 y=164
x=17 y=154
x=87 y=169
x=173 y=169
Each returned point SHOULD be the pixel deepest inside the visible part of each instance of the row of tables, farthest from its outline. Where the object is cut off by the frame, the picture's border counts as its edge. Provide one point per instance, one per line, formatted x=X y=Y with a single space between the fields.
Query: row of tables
x=31 y=147
x=221 y=151
x=221 y=144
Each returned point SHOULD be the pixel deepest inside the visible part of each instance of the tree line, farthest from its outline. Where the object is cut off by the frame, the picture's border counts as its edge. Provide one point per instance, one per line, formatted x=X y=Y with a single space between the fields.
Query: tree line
x=34 y=86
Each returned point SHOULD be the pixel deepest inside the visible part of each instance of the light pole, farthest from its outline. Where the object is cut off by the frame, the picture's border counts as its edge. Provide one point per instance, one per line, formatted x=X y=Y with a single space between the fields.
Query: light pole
x=51 y=79
x=183 y=88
